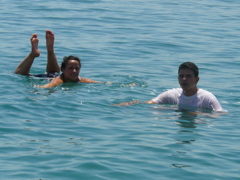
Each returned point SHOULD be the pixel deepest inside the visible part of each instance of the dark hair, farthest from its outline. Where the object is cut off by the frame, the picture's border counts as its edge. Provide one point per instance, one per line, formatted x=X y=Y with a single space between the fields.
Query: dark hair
x=68 y=58
x=189 y=65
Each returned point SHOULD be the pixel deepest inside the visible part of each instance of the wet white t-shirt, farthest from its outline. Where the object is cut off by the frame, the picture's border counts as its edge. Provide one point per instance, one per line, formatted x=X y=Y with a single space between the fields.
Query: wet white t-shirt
x=202 y=99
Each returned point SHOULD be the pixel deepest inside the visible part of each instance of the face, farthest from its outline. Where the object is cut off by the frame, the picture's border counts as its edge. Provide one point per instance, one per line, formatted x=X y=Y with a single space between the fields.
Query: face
x=71 y=71
x=188 y=81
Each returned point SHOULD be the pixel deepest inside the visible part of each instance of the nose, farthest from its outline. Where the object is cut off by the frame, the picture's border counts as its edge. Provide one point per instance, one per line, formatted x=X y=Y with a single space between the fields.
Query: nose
x=74 y=70
x=184 y=77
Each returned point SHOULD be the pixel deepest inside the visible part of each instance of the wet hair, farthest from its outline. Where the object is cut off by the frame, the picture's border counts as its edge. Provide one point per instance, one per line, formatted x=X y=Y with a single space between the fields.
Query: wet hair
x=191 y=66
x=68 y=58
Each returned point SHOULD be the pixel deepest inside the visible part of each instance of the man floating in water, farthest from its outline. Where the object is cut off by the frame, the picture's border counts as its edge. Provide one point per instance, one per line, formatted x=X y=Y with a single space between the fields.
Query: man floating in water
x=70 y=66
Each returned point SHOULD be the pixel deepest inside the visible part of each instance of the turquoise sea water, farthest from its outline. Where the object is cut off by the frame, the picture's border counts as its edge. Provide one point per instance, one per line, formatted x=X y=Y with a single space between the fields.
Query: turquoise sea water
x=74 y=131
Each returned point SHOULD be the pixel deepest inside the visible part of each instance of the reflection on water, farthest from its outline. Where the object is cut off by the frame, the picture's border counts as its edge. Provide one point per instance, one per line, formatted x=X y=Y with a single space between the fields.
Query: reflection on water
x=186 y=120
x=186 y=140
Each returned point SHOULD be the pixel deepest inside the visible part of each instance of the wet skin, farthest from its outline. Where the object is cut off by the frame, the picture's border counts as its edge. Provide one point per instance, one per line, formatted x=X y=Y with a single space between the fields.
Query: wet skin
x=188 y=81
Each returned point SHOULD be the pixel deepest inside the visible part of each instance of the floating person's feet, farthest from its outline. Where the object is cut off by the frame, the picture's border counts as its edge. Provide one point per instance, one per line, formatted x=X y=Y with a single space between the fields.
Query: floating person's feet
x=49 y=41
x=34 y=41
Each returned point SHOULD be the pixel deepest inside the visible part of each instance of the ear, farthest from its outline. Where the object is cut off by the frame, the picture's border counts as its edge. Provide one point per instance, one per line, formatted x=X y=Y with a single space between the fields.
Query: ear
x=197 y=79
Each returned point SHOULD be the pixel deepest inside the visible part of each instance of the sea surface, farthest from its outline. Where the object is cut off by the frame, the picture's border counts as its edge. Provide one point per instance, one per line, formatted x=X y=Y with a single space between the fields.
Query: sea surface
x=74 y=131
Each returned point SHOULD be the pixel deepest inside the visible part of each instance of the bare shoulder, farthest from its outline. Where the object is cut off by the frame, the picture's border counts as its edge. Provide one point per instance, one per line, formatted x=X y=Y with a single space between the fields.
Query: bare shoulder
x=57 y=80
x=54 y=82
x=87 y=80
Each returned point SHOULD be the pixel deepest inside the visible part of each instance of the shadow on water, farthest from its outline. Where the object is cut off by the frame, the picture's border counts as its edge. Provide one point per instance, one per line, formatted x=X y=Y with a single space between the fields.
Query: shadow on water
x=183 y=138
x=186 y=120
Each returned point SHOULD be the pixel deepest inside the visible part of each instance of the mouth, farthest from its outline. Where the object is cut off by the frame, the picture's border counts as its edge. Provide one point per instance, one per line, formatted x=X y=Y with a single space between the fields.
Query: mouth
x=74 y=75
x=184 y=84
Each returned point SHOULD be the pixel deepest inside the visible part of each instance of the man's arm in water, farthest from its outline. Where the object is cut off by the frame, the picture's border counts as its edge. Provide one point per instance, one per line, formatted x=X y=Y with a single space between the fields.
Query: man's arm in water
x=134 y=102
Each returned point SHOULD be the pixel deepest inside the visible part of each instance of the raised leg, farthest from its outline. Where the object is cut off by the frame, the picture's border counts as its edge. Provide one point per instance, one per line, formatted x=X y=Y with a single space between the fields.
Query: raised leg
x=25 y=66
x=52 y=64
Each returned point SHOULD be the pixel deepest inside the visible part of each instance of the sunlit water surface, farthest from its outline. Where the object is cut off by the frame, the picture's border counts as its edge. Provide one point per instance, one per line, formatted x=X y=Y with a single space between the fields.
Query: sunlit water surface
x=135 y=47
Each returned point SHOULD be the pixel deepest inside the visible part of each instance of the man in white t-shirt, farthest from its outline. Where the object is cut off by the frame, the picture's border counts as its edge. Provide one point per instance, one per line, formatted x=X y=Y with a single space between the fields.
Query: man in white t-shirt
x=188 y=96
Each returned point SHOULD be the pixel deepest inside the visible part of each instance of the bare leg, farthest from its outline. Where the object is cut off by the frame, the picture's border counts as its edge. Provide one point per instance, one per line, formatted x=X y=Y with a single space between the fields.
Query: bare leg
x=52 y=64
x=25 y=66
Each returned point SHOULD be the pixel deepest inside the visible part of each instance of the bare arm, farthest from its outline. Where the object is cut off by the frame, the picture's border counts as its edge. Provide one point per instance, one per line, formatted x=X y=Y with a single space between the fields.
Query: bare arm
x=55 y=82
x=150 y=102
x=86 y=80
x=134 y=102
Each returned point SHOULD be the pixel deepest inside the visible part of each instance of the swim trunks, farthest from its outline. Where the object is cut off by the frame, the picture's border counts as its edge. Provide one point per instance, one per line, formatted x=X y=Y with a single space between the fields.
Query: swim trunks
x=45 y=75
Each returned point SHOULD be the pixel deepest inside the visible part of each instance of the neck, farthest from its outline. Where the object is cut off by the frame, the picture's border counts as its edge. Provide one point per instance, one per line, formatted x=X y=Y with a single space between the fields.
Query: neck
x=190 y=92
x=62 y=77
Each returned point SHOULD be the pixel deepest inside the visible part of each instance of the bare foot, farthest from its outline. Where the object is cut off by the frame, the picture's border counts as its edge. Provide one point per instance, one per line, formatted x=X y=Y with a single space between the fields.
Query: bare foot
x=49 y=41
x=34 y=41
